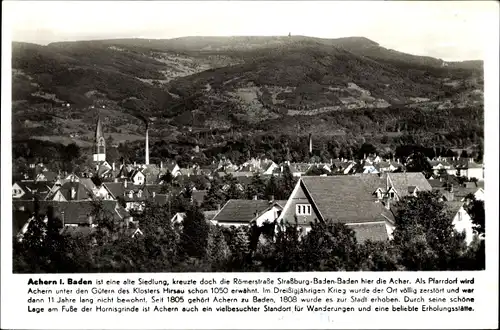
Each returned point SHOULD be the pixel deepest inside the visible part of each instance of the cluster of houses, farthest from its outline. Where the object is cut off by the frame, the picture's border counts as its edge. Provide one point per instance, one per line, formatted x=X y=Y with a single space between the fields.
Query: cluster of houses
x=360 y=194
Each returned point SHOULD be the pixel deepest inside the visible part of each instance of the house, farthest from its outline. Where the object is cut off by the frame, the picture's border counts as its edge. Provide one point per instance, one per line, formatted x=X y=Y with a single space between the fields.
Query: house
x=46 y=176
x=438 y=165
x=28 y=190
x=370 y=168
x=172 y=167
x=462 y=221
x=341 y=199
x=136 y=177
x=468 y=168
x=399 y=185
x=180 y=216
x=74 y=213
x=134 y=196
x=71 y=191
x=244 y=212
x=104 y=169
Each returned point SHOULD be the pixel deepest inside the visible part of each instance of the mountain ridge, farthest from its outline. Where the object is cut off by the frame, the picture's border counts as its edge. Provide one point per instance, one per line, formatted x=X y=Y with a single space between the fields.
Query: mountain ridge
x=220 y=87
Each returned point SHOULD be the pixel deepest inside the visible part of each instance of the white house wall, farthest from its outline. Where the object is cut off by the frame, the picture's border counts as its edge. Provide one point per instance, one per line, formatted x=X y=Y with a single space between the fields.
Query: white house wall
x=269 y=216
x=462 y=222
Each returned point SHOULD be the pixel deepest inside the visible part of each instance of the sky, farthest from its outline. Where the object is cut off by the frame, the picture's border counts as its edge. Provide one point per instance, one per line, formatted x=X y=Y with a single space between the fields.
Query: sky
x=446 y=29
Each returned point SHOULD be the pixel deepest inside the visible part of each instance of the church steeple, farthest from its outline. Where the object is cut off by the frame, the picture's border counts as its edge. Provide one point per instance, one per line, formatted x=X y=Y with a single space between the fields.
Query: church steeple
x=98 y=131
x=100 y=143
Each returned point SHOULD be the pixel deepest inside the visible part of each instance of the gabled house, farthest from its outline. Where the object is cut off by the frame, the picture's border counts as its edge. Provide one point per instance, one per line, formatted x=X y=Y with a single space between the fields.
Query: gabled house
x=438 y=165
x=172 y=167
x=137 y=177
x=46 y=176
x=461 y=220
x=468 y=168
x=179 y=217
x=399 y=185
x=70 y=191
x=27 y=190
x=370 y=168
x=104 y=170
x=244 y=212
x=134 y=196
x=342 y=199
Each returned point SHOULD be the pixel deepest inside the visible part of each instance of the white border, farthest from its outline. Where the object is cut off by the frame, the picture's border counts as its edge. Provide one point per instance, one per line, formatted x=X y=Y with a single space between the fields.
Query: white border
x=13 y=286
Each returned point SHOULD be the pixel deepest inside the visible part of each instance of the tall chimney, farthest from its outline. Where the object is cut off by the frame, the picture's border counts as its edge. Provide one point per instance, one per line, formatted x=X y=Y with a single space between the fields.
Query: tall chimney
x=147 y=146
x=310 y=143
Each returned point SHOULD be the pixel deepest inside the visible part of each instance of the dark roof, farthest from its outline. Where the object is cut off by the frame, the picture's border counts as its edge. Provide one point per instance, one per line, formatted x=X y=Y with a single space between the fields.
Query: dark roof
x=153 y=188
x=81 y=191
x=453 y=207
x=76 y=212
x=209 y=215
x=370 y=231
x=198 y=195
x=118 y=189
x=344 y=199
x=401 y=182
x=160 y=199
x=33 y=189
x=242 y=210
x=50 y=176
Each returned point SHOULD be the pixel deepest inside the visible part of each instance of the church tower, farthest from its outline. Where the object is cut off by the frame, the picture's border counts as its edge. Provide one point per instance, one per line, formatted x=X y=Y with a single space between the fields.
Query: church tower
x=100 y=143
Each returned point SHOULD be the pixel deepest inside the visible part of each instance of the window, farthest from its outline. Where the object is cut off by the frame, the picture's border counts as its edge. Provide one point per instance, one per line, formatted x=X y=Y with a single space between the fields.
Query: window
x=391 y=194
x=303 y=209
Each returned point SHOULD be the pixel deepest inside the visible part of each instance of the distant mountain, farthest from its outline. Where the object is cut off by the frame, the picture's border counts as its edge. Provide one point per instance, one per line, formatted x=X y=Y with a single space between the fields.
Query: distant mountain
x=219 y=82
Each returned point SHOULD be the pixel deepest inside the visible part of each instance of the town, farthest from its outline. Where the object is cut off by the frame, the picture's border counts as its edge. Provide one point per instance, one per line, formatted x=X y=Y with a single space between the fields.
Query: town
x=362 y=195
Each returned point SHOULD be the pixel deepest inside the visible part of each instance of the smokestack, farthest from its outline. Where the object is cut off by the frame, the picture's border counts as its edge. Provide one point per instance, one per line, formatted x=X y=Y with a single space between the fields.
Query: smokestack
x=147 y=146
x=310 y=143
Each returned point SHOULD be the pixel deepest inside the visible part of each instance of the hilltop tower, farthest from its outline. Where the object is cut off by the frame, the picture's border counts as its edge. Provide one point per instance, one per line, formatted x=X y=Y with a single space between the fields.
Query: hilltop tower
x=100 y=143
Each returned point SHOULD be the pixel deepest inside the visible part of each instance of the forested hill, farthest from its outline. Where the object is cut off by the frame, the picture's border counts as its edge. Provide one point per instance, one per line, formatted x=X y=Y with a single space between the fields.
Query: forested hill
x=228 y=84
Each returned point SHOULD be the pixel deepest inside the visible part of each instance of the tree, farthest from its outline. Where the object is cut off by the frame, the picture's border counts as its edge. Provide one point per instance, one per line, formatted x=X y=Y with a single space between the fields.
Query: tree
x=233 y=190
x=218 y=249
x=424 y=235
x=417 y=162
x=477 y=213
x=256 y=188
x=330 y=246
x=378 y=256
x=194 y=237
x=315 y=171
x=215 y=196
x=271 y=188
x=366 y=149
x=287 y=183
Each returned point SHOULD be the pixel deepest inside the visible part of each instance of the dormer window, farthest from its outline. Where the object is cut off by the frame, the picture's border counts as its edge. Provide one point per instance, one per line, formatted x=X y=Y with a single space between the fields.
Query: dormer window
x=139 y=193
x=303 y=209
x=131 y=194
